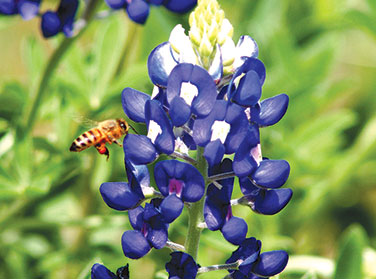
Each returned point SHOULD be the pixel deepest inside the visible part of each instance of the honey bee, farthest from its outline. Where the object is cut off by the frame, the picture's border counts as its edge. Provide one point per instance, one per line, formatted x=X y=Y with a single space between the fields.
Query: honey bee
x=108 y=131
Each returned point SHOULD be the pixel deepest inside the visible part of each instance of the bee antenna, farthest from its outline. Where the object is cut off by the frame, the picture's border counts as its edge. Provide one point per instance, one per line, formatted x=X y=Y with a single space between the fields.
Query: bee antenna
x=133 y=129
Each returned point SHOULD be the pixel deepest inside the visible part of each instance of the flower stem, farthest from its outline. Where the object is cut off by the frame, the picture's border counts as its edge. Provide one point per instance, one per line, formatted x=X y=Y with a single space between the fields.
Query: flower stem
x=234 y=265
x=52 y=66
x=184 y=157
x=221 y=176
x=196 y=211
x=175 y=246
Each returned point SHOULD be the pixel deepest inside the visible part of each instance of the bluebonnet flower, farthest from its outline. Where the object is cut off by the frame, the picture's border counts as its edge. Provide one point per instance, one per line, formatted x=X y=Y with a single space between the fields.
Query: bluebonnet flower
x=26 y=8
x=179 y=182
x=262 y=200
x=253 y=263
x=206 y=96
x=127 y=195
x=181 y=266
x=248 y=93
x=60 y=20
x=99 y=271
x=141 y=149
x=138 y=10
x=265 y=173
x=190 y=89
x=221 y=132
x=217 y=209
x=150 y=230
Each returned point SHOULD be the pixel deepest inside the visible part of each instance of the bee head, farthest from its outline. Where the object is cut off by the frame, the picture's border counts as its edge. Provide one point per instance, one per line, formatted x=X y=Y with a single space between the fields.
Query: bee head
x=123 y=125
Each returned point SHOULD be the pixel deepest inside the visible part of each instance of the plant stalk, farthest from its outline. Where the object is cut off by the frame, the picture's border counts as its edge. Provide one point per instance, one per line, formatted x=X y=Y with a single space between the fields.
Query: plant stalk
x=196 y=211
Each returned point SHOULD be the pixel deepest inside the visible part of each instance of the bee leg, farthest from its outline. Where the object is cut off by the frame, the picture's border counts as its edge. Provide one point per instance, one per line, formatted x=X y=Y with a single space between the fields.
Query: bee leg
x=118 y=143
x=102 y=149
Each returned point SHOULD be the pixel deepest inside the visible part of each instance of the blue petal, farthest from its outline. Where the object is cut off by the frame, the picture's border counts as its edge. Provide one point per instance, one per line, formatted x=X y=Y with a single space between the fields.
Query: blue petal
x=164 y=142
x=134 y=244
x=119 y=196
x=253 y=64
x=202 y=127
x=136 y=218
x=171 y=208
x=271 y=263
x=99 y=271
x=139 y=149
x=238 y=275
x=115 y=4
x=151 y=214
x=194 y=187
x=250 y=64
x=138 y=11
x=157 y=237
x=236 y=117
x=227 y=184
x=138 y=175
x=222 y=196
x=179 y=112
x=133 y=102
x=235 y=230
x=248 y=251
x=214 y=152
x=271 y=173
x=203 y=103
x=66 y=12
x=248 y=92
x=273 y=109
x=8 y=7
x=50 y=24
x=214 y=214
x=224 y=90
x=28 y=8
x=244 y=164
x=160 y=64
x=181 y=266
x=123 y=272
x=247 y=187
x=156 y=2
x=272 y=201
x=194 y=184
x=179 y=6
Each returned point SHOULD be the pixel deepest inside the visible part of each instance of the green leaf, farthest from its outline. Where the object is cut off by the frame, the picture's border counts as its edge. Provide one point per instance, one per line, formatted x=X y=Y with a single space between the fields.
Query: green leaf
x=363 y=19
x=372 y=5
x=109 y=42
x=39 y=186
x=15 y=97
x=349 y=262
x=35 y=57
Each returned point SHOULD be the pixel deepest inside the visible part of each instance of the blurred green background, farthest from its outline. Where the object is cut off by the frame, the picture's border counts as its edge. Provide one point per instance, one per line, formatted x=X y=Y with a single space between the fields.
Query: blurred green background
x=322 y=53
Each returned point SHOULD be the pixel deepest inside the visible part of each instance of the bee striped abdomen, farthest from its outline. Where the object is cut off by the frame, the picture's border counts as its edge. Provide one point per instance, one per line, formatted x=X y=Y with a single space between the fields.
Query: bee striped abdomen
x=87 y=139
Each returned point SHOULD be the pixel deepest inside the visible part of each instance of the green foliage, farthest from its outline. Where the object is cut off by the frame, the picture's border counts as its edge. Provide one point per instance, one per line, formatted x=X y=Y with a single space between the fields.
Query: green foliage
x=53 y=223
x=349 y=263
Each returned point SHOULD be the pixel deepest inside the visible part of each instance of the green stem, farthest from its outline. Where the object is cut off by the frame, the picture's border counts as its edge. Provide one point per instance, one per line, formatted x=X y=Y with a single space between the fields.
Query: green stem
x=196 y=211
x=128 y=47
x=52 y=65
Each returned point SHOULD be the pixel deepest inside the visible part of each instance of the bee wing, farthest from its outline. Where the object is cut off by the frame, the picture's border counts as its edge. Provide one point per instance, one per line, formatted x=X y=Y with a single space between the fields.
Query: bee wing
x=84 y=121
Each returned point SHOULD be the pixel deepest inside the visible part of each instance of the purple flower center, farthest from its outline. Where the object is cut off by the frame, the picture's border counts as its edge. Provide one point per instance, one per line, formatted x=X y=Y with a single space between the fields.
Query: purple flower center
x=144 y=229
x=175 y=186
x=229 y=212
